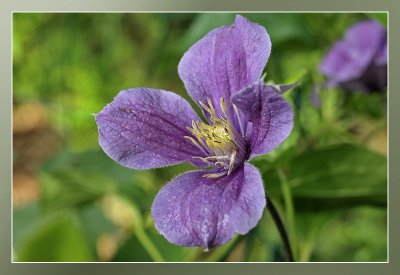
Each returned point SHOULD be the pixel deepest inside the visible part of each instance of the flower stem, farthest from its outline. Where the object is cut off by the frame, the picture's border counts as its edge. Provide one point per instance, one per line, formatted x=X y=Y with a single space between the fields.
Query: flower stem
x=281 y=228
x=142 y=236
x=148 y=245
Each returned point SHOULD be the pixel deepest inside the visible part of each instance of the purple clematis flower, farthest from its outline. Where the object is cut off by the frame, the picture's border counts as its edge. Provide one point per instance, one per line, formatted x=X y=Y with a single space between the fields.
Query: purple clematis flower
x=145 y=128
x=359 y=61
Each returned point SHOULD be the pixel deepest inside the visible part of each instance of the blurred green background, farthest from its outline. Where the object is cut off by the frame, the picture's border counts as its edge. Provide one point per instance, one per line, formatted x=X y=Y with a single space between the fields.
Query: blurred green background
x=73 y=203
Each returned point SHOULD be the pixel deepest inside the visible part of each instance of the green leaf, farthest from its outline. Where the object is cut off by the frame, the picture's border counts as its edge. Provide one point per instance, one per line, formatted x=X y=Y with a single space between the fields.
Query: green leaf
x=309 y=225
x=23 y=218
x=330 y=177
x=325 y=182
x=55 y=238
x=358 y=235
x=95 y=224
x=283 y=28
x=67 y=188
x=132 y=251
x=78 y=179
x=338 y=176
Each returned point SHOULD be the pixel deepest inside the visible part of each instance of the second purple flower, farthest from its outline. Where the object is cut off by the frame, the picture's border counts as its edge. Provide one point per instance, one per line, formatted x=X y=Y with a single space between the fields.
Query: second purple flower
x=358 y=62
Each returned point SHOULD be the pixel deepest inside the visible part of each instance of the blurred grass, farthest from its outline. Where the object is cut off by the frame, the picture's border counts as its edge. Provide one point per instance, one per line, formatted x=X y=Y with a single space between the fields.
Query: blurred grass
x=72 y=65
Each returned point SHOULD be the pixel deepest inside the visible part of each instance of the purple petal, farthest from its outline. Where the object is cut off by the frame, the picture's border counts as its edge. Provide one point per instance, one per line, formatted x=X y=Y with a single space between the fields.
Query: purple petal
x=349 y=58
x=271 y=116
x=225 y=61
x=368 y=38
x=342 y=63
x=195 y=211
x=144 y=128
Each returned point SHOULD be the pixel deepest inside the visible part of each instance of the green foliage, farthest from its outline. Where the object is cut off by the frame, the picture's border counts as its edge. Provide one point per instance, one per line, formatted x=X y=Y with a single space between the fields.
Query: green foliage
x=327 y=180
x=333 y=179
x=56 y=238
x=345 y=232
x=338 y=176
x=324 y=182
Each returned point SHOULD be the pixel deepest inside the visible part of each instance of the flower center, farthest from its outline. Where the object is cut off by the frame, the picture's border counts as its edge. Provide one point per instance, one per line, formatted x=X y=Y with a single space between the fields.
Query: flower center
x=218 y=140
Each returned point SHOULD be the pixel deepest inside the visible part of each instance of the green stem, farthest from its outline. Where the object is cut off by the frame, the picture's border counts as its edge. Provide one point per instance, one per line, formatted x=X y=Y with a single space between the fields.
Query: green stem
x=281 y=228
x=288 y=201
x=148 y=245
x=141 y=235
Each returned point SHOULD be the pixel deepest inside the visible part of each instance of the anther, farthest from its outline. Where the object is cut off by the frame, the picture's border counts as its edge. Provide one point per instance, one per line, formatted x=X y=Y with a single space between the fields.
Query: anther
x=215 y=175
x=231 y=162
x=238 y=119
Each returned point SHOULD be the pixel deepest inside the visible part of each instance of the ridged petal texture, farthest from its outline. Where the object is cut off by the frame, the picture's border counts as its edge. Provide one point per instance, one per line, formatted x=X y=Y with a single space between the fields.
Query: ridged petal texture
x=144 y=128
x=195 y=211
x=225 y=61
x=269 y=114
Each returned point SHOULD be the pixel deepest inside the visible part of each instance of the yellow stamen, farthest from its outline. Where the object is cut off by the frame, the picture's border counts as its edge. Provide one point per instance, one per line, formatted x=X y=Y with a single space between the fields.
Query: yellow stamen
x=216 y=140
x=214 y=176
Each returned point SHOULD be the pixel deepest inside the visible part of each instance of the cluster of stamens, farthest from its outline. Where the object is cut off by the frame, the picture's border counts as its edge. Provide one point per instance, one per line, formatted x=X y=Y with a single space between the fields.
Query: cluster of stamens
x=217 y=141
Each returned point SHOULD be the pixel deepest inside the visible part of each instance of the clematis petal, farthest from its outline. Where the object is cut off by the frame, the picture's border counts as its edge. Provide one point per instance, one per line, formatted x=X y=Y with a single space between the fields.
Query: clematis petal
x=349 y=58
x=192 y=210
x=342 y=64
x=225 y=61
x=368 y=38
x=270 y=115
x=144 y=128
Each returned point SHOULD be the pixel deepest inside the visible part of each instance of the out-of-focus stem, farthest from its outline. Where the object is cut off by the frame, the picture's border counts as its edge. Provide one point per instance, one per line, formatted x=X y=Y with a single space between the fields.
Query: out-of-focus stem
x=288 y=201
